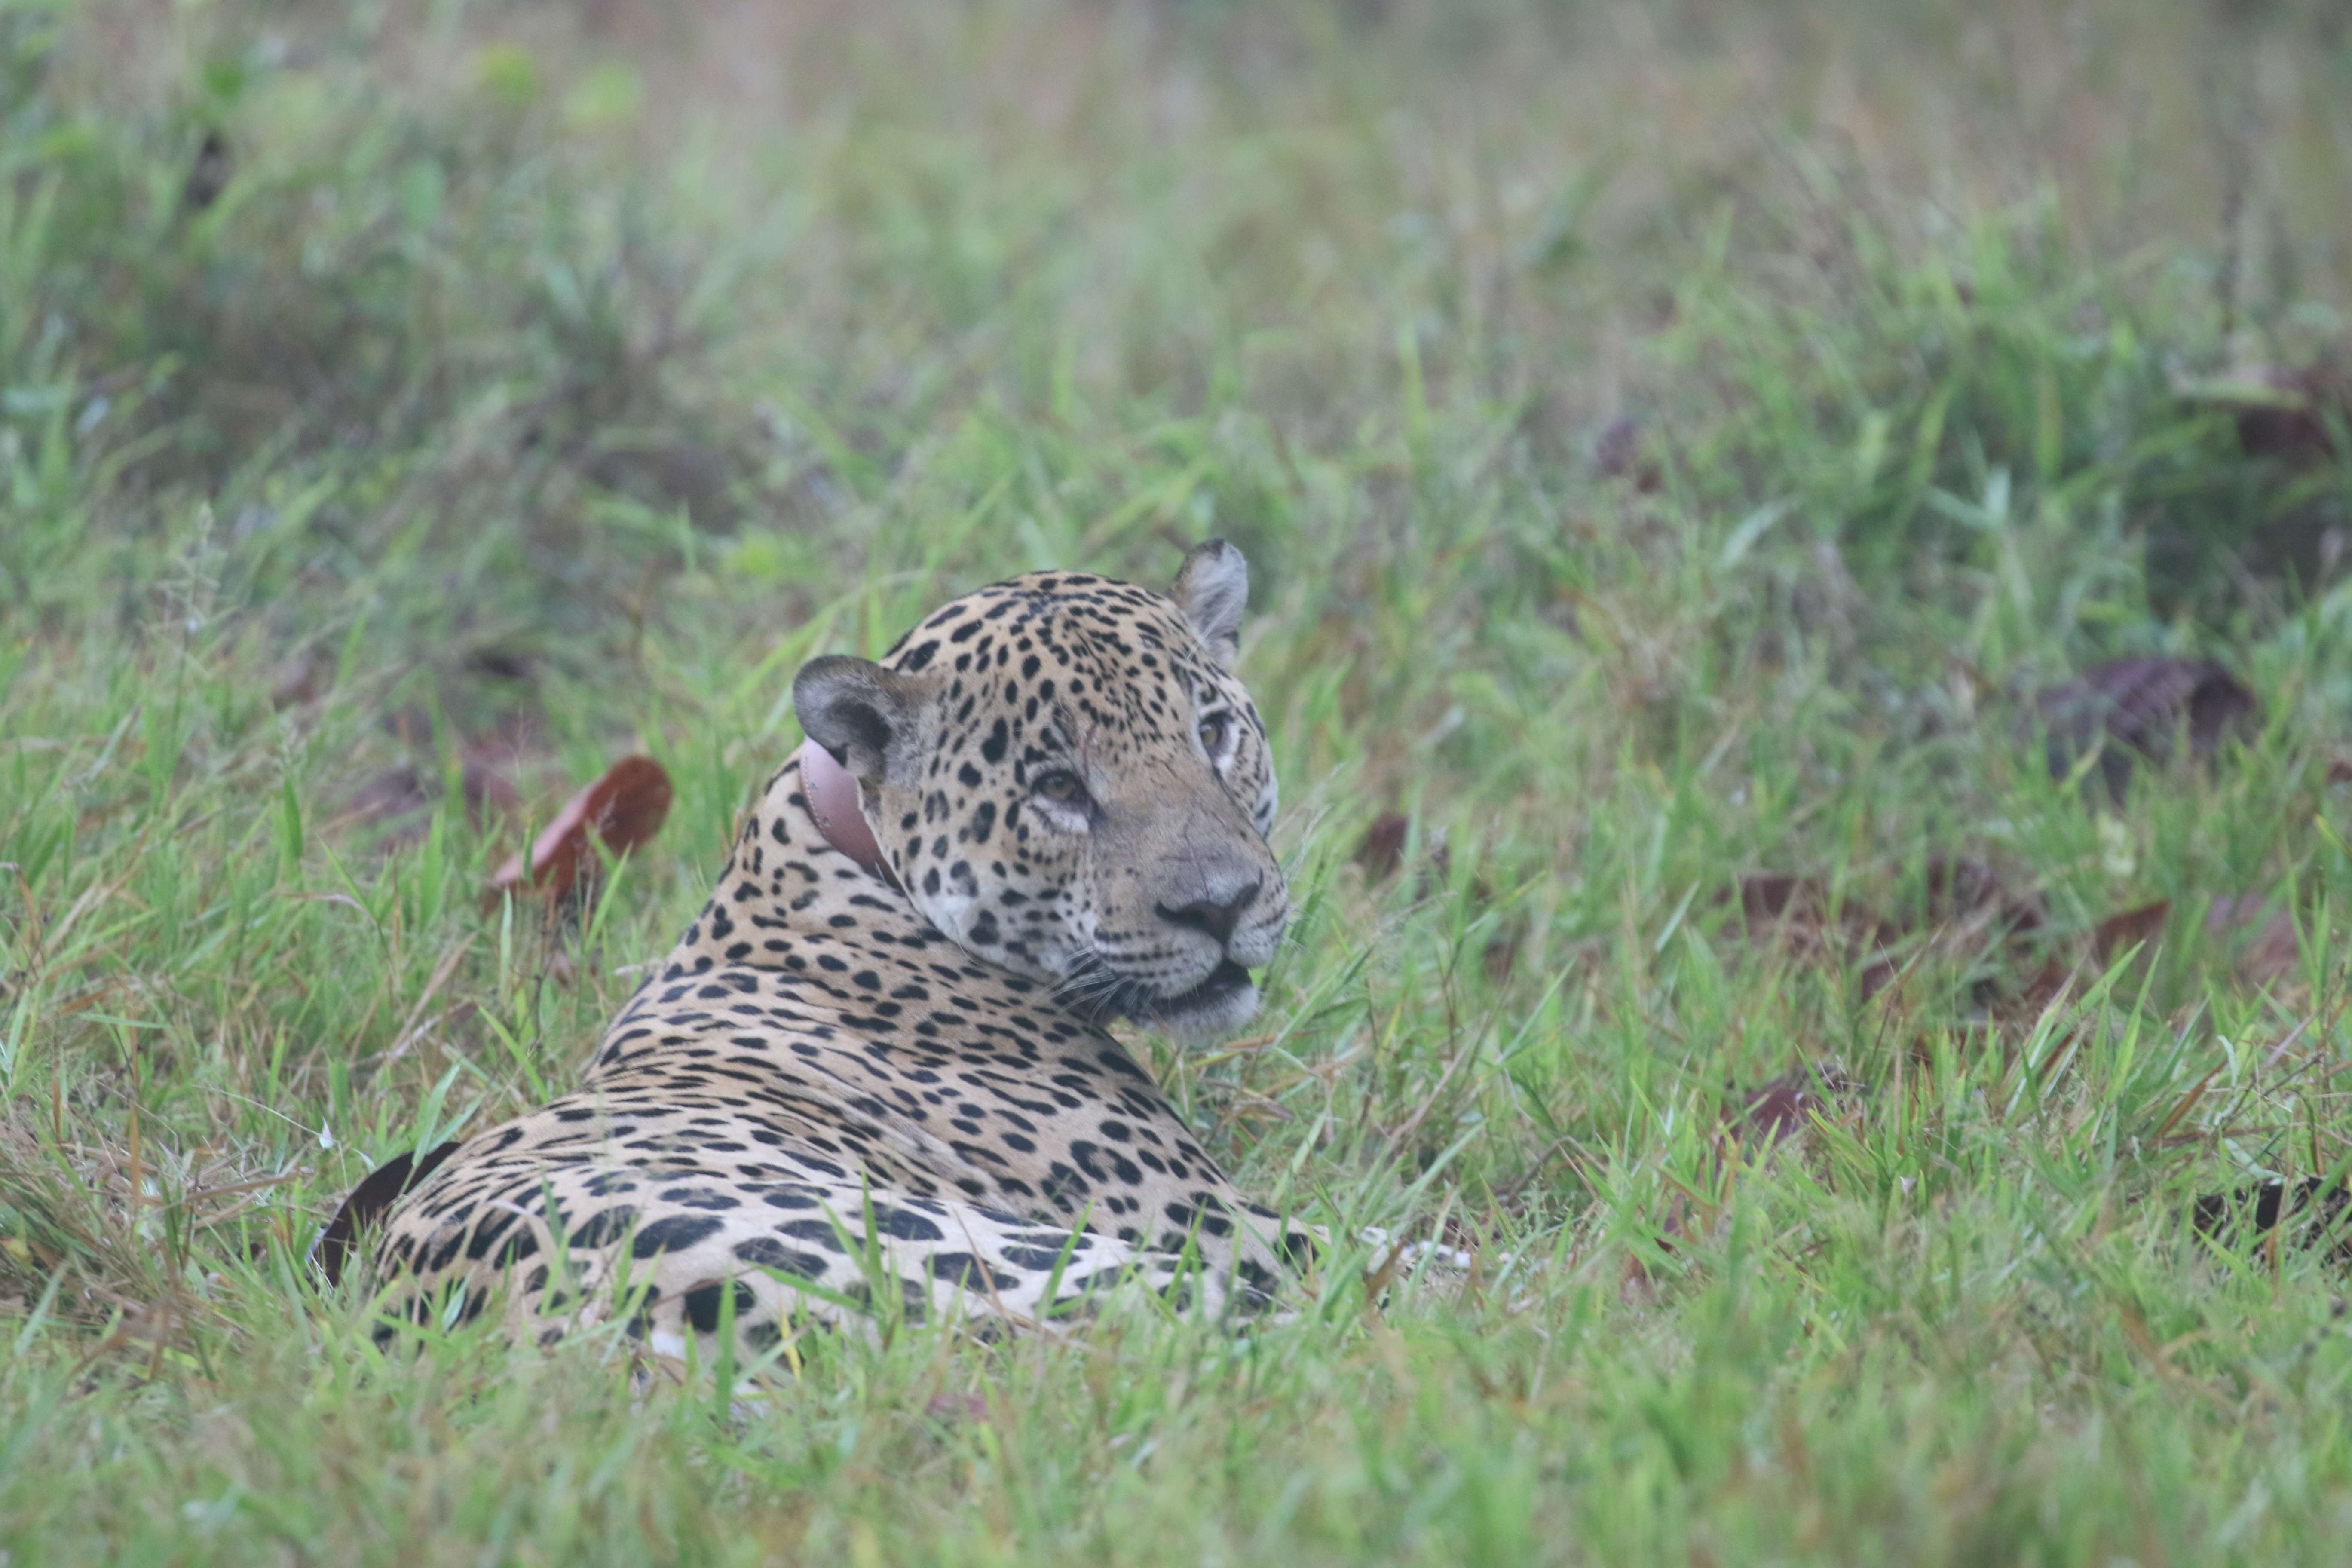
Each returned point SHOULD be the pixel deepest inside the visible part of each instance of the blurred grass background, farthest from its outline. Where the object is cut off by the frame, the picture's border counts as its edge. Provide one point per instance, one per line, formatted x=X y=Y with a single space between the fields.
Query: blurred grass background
x=1679 y=448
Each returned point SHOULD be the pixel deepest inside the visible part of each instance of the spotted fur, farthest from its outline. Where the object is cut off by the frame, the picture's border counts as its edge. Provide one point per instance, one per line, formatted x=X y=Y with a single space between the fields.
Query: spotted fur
x=849 y=1080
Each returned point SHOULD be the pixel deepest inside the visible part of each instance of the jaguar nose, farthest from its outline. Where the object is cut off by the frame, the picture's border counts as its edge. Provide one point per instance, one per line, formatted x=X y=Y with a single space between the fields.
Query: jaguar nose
x=1206 y=915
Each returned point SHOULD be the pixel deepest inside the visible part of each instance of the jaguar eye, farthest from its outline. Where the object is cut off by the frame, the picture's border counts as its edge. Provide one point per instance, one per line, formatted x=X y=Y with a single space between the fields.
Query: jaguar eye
x=1213 y=733
x=1058 y=784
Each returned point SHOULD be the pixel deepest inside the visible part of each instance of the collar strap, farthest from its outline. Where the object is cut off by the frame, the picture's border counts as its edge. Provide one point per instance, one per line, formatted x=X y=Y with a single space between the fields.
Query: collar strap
x=832 y=805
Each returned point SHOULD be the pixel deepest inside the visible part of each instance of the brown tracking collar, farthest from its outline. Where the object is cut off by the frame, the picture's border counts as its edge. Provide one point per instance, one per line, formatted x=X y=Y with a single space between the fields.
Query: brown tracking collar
x=832 y=796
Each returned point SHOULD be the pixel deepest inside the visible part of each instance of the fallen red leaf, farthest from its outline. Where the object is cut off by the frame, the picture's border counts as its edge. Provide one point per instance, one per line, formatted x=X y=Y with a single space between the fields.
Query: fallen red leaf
x=2139 y=704
x=2110 y=939
x=954 y=1407
x=1964 y=889
x=1774 y=1114
x=1379 y=854
x=1802 y=915
x=1382 y=849
x=400 y=798
x=1501 y=957
x=2287 y=415
x=624 y=809
x=1618 y=454
x=2273 y=952
x=2119 y=933
x=1780 y=1109
x=1805 y=904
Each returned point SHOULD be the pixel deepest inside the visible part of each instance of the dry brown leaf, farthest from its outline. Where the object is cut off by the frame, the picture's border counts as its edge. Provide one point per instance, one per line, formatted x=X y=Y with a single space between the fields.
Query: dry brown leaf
x=1380 y=853
x=1501 y=957
x=1801 y=915
x=624 y=810
x=951 y=1409
x=2140 y=704
x=1620 y=454
x=2109 y=939
x=2285 y=414
x=1382 y=848
x=208 y=176
x=397 y=797
x=2118 y=934
x=2273 y=952
x=1780 y=1109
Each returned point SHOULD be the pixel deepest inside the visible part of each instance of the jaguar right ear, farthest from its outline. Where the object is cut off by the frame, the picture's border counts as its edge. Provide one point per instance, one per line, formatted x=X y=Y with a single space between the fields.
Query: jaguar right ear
x=1213 y=589
x=857 y=711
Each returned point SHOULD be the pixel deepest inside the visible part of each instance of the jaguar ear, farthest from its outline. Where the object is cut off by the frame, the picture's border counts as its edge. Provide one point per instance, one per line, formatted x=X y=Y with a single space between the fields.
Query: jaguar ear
x=857 y=711
x=1213 y=589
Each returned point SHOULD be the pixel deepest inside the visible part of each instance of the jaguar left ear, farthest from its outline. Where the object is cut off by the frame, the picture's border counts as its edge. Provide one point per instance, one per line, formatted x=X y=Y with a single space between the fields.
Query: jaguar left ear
x=857 y=711
x=1213 y=589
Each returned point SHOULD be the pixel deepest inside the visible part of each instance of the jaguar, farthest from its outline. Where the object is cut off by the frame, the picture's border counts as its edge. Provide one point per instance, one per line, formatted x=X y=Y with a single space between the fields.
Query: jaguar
x=875 y=1076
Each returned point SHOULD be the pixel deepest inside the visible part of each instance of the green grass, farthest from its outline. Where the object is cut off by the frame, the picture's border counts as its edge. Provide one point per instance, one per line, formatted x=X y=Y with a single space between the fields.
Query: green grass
x=546 y=383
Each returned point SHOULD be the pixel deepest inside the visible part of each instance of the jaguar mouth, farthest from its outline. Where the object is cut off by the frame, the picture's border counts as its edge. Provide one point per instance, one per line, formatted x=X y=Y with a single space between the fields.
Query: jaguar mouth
x=1099 y=993
x=1224 y=983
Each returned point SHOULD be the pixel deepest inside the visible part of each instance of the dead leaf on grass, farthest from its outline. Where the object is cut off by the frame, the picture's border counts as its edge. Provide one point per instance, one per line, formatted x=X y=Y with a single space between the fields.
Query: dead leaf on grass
x=208 y=176
x=1621 y=453
x=1808 y=914
x=2141 y=705
x=1756 y=1126
x=622 y=810
x=2119 y=933
x=1811 y=921
x=2109 y=939
x=1381 y=854
x=398 y=801
x=2288 y=416
x=951 y=1409
x=1780 y=1109
x=1381 y=850
x=2273 y=952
